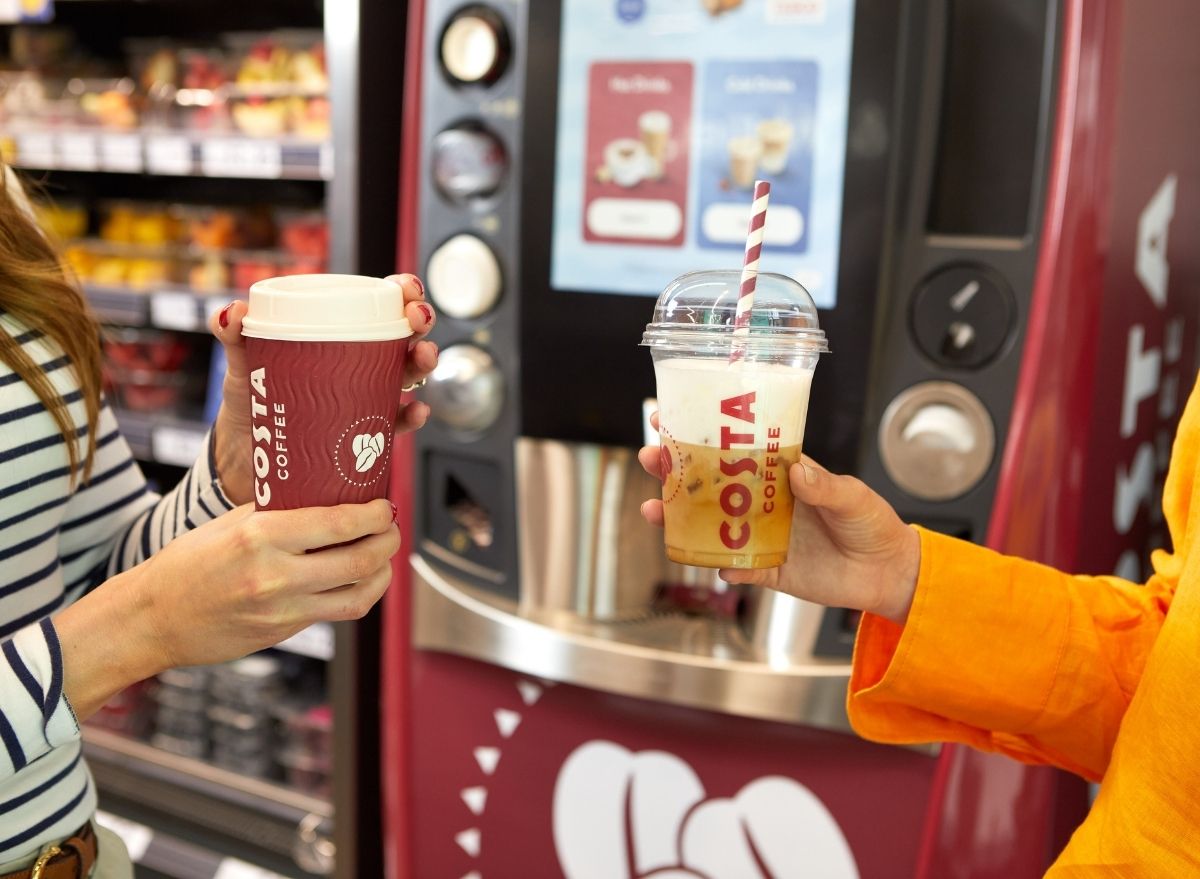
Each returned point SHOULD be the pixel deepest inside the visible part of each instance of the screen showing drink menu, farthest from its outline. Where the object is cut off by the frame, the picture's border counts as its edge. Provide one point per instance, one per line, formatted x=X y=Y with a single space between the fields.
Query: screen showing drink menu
x=669 y=110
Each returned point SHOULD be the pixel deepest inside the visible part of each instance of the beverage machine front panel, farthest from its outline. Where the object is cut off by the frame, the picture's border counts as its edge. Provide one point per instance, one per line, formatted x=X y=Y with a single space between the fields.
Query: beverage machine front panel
x=576 y=157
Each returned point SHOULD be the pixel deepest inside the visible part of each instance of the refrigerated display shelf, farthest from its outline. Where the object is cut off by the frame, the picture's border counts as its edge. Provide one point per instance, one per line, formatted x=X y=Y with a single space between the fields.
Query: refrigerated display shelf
x=169 y=789
x=170 y=154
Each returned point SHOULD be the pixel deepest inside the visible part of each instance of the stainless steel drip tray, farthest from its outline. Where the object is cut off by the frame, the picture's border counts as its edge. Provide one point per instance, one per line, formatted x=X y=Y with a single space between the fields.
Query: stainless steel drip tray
x=691 y=661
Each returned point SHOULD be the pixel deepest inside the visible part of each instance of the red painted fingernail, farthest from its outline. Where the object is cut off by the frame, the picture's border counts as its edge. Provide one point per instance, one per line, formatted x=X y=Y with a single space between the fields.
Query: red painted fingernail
x=223 y=317
x=426 y=312
x=395 y=511
x=420 y=286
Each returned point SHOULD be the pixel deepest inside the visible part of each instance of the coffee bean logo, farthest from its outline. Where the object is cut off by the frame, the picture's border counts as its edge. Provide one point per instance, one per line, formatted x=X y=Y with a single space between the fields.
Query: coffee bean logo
x=367 y=449
x=362 y=450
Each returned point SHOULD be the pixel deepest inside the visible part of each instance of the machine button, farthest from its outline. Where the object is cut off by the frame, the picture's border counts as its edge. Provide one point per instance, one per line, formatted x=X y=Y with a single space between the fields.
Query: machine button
x=466 y=391
x=464 y=277
x=468 y=162
x=936 y=441
x=962 y=316
x=475 y=45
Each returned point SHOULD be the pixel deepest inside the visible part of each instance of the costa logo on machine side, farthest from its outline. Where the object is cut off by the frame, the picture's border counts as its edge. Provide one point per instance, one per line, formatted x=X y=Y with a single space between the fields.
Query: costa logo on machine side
x=269 y=437
x=737 y=497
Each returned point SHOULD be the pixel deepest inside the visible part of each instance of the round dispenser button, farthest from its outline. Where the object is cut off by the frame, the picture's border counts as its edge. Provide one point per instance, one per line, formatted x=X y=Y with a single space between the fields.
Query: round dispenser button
x=466 y=391
x=464 y=277
x=936 y=441
x=475 y=45
x=962 y=316
x=468 y=162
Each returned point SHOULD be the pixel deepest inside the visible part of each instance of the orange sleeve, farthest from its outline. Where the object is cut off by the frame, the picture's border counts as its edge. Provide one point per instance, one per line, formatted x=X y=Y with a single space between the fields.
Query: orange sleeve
x=1008 y=655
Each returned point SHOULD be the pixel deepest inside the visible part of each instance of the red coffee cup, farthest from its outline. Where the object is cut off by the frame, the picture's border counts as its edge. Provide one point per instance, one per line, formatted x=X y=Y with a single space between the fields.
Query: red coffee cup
x=326 y=355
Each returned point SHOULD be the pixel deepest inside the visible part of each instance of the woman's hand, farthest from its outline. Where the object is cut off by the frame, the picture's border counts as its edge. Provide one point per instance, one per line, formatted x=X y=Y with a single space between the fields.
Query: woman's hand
x=232 y=428
x=848 y=546
x=245 y=581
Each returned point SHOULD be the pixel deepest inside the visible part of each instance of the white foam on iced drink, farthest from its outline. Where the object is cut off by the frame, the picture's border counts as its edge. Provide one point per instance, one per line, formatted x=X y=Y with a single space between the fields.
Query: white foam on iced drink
x=691 y=392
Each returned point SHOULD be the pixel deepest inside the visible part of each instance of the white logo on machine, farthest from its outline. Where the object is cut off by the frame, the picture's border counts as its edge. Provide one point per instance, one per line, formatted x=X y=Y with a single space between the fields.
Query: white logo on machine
x=625 y=815
x=362 y=449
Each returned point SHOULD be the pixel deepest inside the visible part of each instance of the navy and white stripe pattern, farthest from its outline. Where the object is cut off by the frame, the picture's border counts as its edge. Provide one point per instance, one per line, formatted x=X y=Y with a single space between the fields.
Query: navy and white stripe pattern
x=56 y=543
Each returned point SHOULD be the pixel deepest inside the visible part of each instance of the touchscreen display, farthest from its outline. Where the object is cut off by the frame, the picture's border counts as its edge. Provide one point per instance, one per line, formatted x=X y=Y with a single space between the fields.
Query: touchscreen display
x=668 y=110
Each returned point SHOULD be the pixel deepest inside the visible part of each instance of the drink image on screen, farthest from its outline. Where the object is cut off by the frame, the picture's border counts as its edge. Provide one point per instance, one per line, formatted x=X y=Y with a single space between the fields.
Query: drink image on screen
x=627 y=161
x=744 y=154
x=775 y=138
x=326 y=356
x=730 y=429
x=654 y=127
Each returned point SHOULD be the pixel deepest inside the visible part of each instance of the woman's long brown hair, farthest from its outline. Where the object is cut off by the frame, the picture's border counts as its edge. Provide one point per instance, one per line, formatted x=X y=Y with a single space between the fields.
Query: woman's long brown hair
x=35 y=291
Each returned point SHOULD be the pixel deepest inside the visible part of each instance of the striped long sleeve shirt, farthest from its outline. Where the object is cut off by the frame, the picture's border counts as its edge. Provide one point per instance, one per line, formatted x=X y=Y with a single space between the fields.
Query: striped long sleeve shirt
x=57 y=543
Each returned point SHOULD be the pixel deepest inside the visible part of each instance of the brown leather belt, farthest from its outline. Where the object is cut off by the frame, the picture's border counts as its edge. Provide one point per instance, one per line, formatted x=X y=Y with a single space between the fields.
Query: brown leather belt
x=73 y=858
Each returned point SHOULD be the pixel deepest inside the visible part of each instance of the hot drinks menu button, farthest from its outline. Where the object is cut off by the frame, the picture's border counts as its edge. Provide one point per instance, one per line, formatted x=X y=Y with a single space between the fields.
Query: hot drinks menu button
x=474 y=46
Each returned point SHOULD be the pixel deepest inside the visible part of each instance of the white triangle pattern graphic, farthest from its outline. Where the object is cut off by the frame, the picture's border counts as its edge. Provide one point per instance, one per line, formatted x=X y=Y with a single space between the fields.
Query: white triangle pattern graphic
x=507 y=721
x=530 y=692
x=470 y=841
x=487 y=758
x=474 y=874
x=475 y=798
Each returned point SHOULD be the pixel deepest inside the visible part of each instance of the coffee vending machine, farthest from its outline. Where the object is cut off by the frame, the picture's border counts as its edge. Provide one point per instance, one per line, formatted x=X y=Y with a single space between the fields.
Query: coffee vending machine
x=994 y=204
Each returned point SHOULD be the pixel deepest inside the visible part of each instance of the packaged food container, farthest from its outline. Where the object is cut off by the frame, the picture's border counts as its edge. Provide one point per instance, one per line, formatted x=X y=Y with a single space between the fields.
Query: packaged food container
x=134 y=348
x=306 y=774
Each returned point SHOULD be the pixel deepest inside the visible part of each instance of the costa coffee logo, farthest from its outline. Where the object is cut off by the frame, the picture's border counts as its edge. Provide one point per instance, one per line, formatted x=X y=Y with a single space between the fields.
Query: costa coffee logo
x=362 y=450
x=270 y=437
x=737 y=498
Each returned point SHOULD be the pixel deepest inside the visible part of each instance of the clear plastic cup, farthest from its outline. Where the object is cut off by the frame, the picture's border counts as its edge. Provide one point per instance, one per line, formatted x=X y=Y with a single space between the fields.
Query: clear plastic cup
x=731 y=428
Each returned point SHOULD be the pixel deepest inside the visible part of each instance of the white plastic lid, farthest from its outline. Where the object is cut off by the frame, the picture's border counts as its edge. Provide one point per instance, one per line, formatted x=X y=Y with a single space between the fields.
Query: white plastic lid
x=326 y=308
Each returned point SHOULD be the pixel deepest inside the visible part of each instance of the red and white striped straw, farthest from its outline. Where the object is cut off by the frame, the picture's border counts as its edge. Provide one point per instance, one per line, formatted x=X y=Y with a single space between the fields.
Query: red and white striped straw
x=754 y=244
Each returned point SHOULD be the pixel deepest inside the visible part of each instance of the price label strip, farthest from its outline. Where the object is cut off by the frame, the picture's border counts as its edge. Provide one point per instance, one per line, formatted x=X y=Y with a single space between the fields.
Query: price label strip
x=232 y=868
x=36 y=151
x=176 y=310
x=180 y=446
x=137 y=837
x=121 y=153
x=241 y=157
x=316 y=642
x=169 y=154
x=78 y=151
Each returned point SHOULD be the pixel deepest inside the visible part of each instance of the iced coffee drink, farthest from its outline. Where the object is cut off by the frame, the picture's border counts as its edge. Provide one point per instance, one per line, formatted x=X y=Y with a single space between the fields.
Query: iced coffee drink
x=744 y=153
x=775 y=139
x=730 y=433
x=731 y=428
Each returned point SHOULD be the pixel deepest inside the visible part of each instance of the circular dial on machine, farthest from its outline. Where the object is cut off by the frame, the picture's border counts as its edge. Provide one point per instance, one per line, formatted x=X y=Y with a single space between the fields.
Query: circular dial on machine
x=466 y=391
x=962 y=316
x=464 y=277
x=469 y=162
x=474 y=46
x=936 y=440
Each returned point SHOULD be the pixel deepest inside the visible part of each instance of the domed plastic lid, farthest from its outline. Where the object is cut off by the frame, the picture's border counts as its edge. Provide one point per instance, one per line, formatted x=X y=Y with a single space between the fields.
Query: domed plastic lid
x=695 y=314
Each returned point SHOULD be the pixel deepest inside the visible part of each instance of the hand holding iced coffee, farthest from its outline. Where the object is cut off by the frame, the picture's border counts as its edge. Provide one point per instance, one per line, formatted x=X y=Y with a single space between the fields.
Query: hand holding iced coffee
x=731 y=428
x=848 y=547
